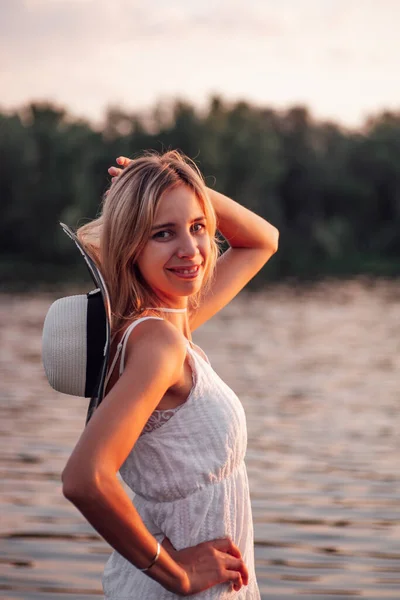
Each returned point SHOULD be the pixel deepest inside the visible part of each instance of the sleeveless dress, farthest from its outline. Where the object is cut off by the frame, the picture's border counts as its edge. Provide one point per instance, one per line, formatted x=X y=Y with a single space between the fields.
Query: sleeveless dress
x=190 y=483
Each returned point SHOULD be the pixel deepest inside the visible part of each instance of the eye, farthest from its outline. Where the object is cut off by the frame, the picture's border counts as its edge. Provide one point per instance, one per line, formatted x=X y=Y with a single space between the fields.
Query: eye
x=198 y=227
x=162 y=235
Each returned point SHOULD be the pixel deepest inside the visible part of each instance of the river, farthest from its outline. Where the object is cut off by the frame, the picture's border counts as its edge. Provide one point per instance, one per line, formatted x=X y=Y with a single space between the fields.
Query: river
x=318 y=371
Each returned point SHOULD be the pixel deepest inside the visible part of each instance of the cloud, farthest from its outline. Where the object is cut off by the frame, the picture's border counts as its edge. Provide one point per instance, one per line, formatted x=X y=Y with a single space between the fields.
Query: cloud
x=30 y=25
x=88 y=53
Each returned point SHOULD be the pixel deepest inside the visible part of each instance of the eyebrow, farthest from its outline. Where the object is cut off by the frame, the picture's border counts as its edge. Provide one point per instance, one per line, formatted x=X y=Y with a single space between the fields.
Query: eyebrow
x=162 y=225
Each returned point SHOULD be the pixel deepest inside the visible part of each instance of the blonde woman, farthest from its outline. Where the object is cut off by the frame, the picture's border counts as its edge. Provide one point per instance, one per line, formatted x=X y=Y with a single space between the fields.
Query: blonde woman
x=172 y=428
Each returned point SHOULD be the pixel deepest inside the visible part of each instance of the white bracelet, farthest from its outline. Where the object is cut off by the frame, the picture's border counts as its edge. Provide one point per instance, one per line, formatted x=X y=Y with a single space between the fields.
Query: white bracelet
x=154 y=559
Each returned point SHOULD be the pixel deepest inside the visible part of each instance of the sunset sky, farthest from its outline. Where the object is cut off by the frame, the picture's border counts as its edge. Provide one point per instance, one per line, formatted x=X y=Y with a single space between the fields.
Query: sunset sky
x=341 y=58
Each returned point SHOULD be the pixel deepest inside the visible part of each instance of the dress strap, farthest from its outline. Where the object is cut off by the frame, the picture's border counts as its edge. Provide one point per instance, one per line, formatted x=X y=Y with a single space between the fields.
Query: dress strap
x=122 y=347
x=202 y=354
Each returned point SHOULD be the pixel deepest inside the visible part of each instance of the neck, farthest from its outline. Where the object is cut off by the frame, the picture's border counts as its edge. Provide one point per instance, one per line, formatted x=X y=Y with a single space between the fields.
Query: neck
x=178 y=318
x=164 y=309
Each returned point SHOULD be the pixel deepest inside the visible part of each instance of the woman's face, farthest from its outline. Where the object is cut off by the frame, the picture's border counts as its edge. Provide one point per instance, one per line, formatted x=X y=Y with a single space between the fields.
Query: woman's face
x=174 y=259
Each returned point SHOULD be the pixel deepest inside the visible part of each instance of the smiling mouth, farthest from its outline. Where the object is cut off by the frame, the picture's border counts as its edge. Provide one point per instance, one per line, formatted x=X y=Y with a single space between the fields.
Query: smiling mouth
x=187 y=272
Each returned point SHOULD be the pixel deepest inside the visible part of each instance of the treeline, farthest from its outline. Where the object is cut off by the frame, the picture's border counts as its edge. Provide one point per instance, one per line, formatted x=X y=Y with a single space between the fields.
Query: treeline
x=333 y=194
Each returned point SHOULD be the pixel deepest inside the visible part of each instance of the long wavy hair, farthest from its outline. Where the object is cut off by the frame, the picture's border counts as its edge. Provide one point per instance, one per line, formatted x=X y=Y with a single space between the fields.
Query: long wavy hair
x=116 y=238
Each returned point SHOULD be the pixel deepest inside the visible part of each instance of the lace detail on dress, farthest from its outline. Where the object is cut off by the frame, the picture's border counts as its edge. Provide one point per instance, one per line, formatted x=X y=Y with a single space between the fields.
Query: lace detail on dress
x=158 y=418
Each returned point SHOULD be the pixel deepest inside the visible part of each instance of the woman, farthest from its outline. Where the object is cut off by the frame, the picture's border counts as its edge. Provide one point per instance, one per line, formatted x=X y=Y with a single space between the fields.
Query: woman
x=173 y=429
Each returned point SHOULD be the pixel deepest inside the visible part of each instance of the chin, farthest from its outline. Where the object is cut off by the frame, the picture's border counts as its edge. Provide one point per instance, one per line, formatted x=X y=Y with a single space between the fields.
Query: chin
x=185 y=293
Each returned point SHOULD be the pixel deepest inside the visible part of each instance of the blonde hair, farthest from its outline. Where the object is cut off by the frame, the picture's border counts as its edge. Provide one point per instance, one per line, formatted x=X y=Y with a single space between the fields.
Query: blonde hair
x=116 y=238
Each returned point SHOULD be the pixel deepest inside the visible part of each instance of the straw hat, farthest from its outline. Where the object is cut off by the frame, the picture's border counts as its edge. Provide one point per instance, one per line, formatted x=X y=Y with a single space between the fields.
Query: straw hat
x=73 y=341
x=76 y=339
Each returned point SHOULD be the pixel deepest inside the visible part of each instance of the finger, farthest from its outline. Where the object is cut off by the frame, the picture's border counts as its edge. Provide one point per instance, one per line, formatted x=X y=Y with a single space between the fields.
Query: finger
x=226 y=545
x=236 y=564
x=236 y=580
x=114 y=171
x=123 y=161
x=244 y=573
x=234 y=550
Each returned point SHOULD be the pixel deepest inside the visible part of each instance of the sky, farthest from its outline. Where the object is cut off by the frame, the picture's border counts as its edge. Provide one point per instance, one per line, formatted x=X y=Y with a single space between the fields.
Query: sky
x=340 y=58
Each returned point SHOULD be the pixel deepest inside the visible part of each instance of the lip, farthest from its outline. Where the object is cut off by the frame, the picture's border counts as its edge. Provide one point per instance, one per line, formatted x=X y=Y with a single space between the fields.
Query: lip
x=185 y=266
x=178 y=271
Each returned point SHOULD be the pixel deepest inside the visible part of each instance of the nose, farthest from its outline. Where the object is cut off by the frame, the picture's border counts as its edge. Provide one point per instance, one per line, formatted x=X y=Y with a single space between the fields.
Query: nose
x=188 y=247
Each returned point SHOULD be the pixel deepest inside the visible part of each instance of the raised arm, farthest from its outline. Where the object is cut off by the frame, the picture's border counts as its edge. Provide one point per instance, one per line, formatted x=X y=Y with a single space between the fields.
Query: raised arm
x=252 y=242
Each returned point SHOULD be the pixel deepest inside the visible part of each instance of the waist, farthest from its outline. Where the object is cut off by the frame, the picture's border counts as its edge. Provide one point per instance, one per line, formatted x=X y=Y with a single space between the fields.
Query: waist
x=215 y=510
x=164 y=490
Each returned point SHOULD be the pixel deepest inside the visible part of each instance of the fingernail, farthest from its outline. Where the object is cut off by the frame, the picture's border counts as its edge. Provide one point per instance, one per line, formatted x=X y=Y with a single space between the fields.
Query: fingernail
x=119 y=160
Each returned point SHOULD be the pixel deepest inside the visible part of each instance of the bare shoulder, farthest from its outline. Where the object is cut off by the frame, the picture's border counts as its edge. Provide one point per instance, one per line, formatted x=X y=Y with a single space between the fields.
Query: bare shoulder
x=155 y=340
x=155 y=354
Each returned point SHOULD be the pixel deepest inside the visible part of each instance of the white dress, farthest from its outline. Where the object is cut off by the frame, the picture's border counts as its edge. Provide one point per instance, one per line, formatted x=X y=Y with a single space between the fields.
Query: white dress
x=190 y=484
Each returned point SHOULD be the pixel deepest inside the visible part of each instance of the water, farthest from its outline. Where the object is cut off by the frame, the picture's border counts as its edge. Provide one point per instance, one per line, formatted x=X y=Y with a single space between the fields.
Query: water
x=318 y=373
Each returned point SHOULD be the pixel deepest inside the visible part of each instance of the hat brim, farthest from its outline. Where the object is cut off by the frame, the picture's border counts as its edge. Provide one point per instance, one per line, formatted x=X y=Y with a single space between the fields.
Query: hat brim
x=99 y=282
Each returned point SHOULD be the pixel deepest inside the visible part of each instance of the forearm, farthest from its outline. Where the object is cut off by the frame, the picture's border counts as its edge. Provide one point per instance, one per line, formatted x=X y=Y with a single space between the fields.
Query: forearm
x=110 y=511
x=241 y=227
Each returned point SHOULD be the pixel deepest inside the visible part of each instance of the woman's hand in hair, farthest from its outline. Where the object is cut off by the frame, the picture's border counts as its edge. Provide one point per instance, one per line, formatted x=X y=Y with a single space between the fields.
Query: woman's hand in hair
x=210 y=563
x=115 y=171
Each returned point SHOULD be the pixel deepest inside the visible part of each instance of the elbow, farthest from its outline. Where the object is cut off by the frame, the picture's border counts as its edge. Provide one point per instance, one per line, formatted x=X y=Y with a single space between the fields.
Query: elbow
x=275 y=240
x=78 y=486
x=272 y=241
x=70 y=488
